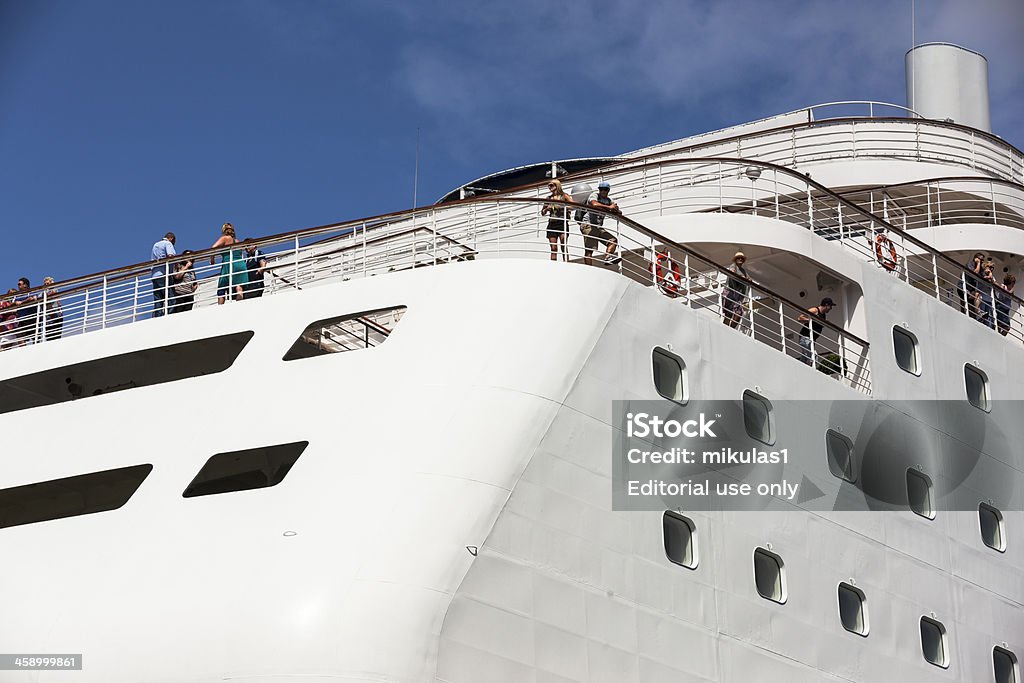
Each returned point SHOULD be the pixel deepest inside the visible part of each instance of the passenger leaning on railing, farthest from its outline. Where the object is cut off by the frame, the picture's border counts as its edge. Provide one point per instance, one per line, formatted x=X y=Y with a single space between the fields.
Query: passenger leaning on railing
x=8 y=321
x=1003 y=302
x=27 y=311
x=593 y=230
x=162 y=250
x=183 y=284
x=54 y=314
x=255 y=265
x=232 y=270
x=558 y=223
x=811 y=329
x=735 y=291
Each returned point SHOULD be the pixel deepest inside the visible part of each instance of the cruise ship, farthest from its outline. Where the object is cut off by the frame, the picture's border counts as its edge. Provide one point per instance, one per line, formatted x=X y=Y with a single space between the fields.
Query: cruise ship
x=403 y=462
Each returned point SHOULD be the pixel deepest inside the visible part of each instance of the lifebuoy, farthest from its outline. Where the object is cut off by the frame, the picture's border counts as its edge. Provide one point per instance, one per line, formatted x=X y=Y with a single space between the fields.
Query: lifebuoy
x=666 y=274
x=888 y=262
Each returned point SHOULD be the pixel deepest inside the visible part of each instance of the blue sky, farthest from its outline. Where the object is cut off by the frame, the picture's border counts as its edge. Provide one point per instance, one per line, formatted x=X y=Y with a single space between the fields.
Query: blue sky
x=122 y=119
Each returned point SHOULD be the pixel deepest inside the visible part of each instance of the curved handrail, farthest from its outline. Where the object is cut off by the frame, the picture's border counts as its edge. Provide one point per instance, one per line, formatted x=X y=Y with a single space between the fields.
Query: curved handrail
x=1016 y=157
x=641 y=164
x=871 y=107
x=509 y=226
x=997 y=201
x=949 y=266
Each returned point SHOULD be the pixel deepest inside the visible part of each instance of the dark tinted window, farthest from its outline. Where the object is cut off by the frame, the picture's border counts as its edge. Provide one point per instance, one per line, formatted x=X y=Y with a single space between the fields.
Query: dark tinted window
x=255 y=468
x=123 y=371
x=72 y=496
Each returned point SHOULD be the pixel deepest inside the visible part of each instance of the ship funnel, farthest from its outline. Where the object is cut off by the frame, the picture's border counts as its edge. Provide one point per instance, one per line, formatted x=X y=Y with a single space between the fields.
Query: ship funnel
x=947 y=81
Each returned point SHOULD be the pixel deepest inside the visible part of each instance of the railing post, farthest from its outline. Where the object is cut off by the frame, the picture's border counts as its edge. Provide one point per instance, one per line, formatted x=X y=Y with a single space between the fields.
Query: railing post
x=295 y=252
x=782 y=327
x=775 y=176
x=749 y=299
x=654 y=264
x=135 y=301
x=103 y=306
x=686 y=277
x=661 y=190
x=842 y=358
x=810 y=209
x=85 y=312
x=935 y=277
x=41 y=318
x=928 y=203
x=721 y=203
x=992 y=194
x=842 y=233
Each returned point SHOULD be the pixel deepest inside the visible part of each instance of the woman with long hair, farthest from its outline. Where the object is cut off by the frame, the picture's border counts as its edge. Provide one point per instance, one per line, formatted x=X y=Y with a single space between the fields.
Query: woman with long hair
x=558 y=223
x=232 y=270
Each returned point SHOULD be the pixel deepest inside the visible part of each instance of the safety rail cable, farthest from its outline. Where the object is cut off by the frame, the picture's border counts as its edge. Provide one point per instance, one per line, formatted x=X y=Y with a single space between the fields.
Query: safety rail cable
x=465 y=231
x=763 y=189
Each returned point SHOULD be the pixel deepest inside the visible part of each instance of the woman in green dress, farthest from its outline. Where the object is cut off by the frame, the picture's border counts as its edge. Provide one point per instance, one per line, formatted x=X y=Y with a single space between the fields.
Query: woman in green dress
x=233 y=274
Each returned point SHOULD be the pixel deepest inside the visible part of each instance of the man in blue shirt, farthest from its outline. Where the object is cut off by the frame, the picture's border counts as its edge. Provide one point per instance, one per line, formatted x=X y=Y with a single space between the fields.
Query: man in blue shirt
x=162 y=250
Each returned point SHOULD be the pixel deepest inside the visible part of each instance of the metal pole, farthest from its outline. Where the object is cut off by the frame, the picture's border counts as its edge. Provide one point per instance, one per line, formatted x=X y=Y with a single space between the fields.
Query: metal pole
x=782 y=327
x=103 y=308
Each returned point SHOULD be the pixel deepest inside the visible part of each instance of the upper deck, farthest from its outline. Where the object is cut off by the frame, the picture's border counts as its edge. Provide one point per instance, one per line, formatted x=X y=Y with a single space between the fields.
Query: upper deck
x=650 y=189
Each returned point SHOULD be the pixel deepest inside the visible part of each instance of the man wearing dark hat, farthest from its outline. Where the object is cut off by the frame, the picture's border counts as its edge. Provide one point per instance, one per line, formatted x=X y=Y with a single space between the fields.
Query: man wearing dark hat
x=810 y=330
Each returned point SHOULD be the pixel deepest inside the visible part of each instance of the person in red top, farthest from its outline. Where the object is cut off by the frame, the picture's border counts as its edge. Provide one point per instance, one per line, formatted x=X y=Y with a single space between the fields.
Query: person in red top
x=8 y=321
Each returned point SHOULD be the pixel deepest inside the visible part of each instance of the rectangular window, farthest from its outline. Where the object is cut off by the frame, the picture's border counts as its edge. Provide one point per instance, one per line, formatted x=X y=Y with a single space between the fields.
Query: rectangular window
x=976 y=383
x=905 y=345
x=255 y=468
x=669 y=375
x=839 y=451
x=991 y=521
x=768 y=576
x=680 y=539
x=853 y=609
x=919 y=494
x=1004 y=665
x=72 y=496
x=346 y=333
x=757 y=417
x=123 y=371
x=933 y=642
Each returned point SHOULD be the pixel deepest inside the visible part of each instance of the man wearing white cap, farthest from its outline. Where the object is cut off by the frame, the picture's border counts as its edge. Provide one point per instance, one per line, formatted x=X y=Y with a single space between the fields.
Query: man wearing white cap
x=593 y=230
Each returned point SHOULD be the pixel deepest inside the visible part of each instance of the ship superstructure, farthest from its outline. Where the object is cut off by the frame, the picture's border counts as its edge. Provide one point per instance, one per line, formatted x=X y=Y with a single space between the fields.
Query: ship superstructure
x=396 y=465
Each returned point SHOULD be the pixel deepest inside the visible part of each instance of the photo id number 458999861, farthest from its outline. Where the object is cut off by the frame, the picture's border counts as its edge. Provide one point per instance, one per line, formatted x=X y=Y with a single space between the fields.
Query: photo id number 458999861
x=40 y=662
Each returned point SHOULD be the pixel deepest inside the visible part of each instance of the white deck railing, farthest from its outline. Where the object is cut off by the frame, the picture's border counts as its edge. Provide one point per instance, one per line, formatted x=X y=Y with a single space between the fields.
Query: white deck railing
x=499 y=228
x=661 y=187
x=852 y=138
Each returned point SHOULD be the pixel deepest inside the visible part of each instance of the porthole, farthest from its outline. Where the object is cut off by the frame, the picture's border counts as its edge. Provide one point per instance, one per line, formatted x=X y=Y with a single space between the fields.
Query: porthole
x=669 y=375
x=758 y=418
x=976 y=384
x=904 y=344
x=919 y=494
x=933 y=642
x=769 y=576
x=839 y=452
x=991 y=522
x=853 y=612
x=680 y=539
x=1004 y=665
